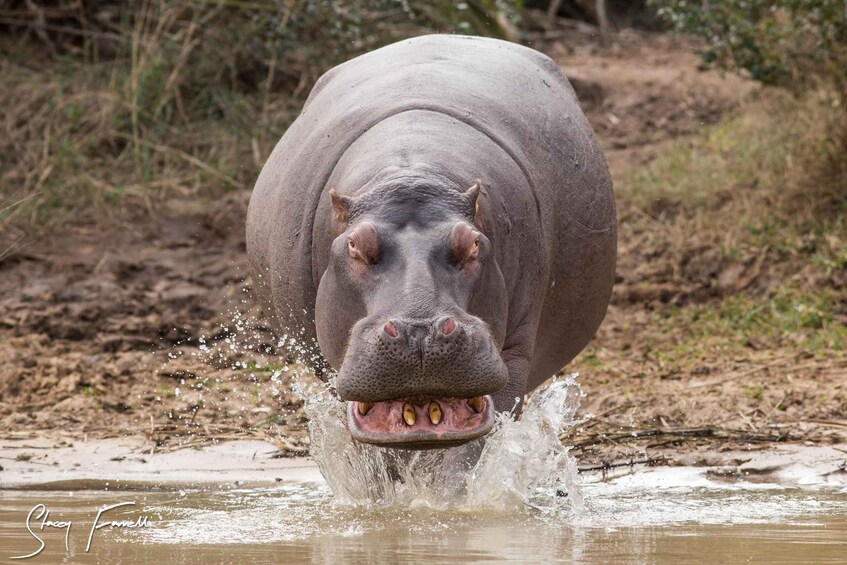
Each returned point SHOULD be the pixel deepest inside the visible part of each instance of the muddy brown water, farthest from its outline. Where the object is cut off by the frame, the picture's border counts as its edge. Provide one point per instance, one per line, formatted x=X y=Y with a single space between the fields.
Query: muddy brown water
x=654 y=516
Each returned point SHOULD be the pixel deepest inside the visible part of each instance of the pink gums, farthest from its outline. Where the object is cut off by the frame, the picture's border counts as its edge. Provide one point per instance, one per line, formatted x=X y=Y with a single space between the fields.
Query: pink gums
x=384 y=422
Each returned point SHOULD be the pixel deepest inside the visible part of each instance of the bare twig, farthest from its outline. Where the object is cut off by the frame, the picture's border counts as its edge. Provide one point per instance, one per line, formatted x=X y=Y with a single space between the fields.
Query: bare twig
x=630 y=463
x=720 y=434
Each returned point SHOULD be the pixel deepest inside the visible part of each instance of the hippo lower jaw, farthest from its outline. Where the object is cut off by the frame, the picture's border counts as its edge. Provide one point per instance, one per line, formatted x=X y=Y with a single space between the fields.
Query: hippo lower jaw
x=421 y=424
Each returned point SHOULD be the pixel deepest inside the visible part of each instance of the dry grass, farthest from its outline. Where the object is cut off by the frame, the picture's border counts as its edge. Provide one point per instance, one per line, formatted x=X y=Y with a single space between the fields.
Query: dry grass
x=753 y=204
x=80 y=137
x=110 y=107
x=782 y=151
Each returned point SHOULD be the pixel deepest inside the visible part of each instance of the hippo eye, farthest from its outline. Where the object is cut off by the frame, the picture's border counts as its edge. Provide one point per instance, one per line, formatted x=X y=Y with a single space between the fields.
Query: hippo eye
x=465 y=242
x=363 y=244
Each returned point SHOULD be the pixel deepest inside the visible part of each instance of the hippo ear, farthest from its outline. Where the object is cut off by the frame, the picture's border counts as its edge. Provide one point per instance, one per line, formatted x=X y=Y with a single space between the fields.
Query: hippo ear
x=472 y=196
x=340 y=205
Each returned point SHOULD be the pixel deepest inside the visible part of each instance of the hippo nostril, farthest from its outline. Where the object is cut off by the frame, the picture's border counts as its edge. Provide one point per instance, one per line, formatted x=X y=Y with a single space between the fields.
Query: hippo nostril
x=448 y=326
x=390 y=329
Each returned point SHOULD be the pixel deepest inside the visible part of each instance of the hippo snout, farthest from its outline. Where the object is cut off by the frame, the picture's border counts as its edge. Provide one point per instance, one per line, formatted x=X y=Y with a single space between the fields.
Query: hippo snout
x=447 y=356
x=421 y=383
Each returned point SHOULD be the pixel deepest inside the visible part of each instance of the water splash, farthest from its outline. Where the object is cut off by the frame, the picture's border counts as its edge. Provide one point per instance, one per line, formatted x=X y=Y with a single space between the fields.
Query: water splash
x=520 y=463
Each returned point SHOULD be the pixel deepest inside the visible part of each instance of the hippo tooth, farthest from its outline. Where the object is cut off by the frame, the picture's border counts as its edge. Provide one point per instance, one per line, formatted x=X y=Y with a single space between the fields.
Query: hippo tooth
x=434 y=413
x=365 y=407
x=477 y=403
x=409 y=414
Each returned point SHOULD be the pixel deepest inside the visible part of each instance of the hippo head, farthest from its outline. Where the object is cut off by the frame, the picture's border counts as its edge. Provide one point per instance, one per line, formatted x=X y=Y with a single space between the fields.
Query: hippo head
x=411 y=311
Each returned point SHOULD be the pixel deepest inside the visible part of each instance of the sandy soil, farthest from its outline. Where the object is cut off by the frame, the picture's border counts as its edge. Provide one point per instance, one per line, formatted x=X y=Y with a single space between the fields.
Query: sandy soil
x=146 y=330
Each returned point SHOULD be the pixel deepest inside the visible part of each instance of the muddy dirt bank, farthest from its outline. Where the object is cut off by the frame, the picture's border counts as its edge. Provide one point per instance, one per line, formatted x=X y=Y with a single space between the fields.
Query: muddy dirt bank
x=148 y=330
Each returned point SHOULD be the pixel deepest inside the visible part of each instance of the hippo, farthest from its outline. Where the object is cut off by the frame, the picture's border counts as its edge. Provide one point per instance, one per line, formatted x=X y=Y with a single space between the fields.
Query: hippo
x=440 y=221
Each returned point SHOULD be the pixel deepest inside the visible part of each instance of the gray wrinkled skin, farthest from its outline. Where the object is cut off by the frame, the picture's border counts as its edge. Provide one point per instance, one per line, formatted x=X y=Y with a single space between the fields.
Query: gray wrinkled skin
x=402 y=133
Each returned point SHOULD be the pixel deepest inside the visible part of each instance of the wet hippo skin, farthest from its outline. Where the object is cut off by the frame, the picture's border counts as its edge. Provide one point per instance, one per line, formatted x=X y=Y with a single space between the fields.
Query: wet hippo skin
x=440 y=219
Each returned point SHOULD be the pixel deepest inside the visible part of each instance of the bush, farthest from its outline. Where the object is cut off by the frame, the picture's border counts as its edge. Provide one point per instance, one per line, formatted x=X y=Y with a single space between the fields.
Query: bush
x=238 y=44
x=787 y=42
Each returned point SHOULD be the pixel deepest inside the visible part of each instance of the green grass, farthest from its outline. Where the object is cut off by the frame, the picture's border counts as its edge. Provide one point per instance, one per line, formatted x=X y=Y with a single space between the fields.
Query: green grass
x=793 y=320
x=267 y=367
x=774 y=176
x=805 y=316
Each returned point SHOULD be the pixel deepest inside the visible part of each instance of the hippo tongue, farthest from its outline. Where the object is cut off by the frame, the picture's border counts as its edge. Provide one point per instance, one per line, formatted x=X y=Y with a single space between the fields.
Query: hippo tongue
x=421 y=423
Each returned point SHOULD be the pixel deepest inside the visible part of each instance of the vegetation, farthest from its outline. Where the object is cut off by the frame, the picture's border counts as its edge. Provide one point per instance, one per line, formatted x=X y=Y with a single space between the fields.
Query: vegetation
x=777 y=171
x=787 y=42
x=746 y=224
x=108 y=101
x=732 y=245
x=767 y=187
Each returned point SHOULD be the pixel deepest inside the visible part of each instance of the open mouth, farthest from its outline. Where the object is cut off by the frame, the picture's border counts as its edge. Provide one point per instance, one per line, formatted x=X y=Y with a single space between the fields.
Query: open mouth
x=421 y=423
